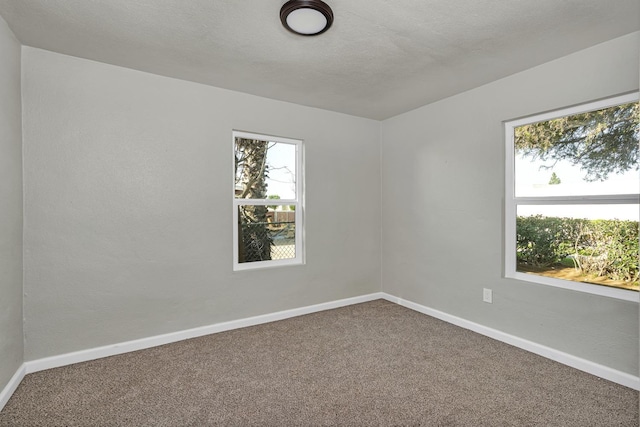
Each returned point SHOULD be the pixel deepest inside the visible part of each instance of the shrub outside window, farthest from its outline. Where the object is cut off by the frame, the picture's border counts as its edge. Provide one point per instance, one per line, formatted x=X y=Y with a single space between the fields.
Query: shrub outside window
x=572 y=198
x=267 y=208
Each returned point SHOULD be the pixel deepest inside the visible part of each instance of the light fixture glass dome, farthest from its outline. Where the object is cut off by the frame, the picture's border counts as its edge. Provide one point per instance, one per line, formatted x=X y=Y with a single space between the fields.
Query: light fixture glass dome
x=306 y=17
x=306 y=21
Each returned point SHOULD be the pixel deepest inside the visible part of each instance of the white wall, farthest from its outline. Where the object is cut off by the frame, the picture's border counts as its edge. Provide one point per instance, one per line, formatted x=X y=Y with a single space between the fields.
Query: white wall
x=128 y=225
x=11 y=342
x=442 y=211
x=128 y=229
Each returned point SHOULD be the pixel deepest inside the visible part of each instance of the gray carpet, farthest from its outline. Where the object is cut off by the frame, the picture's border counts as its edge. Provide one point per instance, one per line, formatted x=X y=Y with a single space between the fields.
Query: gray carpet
x=371 y=364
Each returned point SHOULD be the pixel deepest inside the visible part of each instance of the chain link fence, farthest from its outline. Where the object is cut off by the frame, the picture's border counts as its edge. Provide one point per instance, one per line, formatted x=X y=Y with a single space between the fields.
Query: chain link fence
x=271 y=240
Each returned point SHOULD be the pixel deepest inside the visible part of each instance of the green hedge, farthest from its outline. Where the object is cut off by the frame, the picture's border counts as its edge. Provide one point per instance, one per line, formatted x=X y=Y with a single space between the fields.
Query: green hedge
x=601 y=247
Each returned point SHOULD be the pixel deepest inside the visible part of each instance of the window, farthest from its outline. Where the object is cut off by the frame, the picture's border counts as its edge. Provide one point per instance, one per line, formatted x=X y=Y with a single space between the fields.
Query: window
x=572 y=198
x=267 y=203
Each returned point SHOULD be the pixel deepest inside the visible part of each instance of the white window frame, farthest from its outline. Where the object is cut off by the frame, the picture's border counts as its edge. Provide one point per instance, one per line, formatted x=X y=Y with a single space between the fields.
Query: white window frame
x=512 y=202
x=297 y=202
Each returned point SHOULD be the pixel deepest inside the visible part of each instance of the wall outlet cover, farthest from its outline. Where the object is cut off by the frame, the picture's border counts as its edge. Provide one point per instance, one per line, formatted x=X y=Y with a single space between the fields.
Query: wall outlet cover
x=487 y=295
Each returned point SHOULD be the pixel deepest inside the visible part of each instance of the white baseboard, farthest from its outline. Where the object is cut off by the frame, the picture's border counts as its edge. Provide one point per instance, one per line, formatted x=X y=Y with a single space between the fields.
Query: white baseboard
x=13 y=384
x=140 y=344
x=593 y=368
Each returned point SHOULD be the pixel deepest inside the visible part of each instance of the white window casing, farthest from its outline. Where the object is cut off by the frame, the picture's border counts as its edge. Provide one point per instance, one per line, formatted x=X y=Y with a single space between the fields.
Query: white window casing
x=512 y=201
x=296 y=201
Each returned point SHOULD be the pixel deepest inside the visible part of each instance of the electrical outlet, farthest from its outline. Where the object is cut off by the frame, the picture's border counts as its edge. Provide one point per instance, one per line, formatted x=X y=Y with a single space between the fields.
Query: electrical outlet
x=487 y=295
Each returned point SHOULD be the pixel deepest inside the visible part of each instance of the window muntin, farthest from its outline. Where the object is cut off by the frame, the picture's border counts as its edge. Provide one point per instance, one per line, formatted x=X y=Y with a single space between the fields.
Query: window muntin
x=267 y=214
x=574 y=185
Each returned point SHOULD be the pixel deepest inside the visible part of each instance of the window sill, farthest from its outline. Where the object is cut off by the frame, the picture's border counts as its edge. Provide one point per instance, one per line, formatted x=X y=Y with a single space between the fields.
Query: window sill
x=260 y=265
x=606 y=291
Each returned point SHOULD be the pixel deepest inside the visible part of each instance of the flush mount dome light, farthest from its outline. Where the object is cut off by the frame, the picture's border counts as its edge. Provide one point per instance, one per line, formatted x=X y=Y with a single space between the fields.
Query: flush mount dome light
x=306 y=17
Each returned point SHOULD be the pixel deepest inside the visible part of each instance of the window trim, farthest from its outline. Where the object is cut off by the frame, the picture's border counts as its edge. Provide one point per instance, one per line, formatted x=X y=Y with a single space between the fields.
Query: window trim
x=299 y=259
x=512 y=202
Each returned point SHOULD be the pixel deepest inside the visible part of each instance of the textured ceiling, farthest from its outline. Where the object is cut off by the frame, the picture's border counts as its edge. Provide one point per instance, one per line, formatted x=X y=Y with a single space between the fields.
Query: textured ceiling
x=380 y=58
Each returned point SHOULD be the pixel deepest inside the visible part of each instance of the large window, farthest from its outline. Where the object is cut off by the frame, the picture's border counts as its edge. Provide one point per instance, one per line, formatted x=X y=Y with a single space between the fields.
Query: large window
x=572 y=202
x=267 y=207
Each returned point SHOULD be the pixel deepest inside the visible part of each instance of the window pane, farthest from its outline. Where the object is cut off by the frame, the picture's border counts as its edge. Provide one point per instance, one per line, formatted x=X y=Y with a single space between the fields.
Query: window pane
x=266 y=233
x=594 y=153
x=586 y=243
x=624 y=212
x=265 y=169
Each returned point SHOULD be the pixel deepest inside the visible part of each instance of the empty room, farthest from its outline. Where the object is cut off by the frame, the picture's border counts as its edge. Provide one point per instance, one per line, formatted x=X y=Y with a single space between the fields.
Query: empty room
x=306 y=212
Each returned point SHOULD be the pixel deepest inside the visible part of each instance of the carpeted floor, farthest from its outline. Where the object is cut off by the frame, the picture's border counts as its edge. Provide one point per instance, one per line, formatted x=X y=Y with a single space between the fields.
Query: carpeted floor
x=371 y=364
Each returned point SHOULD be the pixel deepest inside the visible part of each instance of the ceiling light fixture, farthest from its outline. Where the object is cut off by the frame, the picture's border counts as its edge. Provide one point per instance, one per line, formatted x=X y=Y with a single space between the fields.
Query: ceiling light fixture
x=306 y=17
